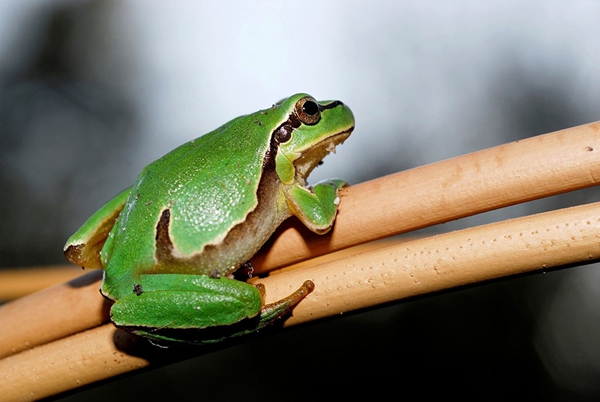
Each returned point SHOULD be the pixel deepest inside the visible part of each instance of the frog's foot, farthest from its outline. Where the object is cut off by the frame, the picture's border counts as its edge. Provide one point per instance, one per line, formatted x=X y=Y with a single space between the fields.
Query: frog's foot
x=317 y=207
x=272 y=312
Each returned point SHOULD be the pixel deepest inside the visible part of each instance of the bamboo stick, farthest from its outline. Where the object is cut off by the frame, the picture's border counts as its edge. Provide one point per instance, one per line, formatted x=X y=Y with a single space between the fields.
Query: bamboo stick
x=69 y=363
x=18 y=282
x=386 y=274
x=497 y=177
x=52 y=314
x=535 y=167
x=427 y=265
x=516 y=172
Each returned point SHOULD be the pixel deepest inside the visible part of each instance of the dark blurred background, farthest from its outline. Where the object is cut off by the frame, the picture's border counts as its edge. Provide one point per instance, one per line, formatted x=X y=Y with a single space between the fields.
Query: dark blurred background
x=92 y=91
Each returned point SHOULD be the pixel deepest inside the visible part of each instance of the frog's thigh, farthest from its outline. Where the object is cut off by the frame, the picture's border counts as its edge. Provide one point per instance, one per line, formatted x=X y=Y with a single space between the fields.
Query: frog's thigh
x=186 y=301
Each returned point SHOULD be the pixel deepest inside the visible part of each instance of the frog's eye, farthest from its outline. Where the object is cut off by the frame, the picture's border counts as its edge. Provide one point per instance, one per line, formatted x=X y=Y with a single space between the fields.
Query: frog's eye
x=308 y=111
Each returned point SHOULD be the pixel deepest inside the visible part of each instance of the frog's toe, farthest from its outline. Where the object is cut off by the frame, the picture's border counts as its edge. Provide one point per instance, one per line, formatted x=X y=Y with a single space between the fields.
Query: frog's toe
x=273 y=311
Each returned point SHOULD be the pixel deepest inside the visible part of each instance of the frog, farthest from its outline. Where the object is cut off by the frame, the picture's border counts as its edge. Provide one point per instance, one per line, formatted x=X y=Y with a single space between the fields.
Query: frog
x=169 y=245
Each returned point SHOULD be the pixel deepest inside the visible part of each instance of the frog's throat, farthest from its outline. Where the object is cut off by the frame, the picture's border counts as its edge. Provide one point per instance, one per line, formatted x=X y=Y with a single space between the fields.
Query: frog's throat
x=311 y=157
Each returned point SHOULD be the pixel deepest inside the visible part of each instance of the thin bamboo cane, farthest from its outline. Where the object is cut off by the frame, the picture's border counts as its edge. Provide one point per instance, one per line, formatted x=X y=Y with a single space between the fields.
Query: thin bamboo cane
x=386 y=274
x=19 y=282
x=505 y=175
x=516 y=172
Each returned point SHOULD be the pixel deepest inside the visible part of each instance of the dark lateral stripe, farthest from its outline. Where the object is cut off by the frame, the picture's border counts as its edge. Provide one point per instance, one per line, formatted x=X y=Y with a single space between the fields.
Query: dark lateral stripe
x=164 y=246
x=331 y=105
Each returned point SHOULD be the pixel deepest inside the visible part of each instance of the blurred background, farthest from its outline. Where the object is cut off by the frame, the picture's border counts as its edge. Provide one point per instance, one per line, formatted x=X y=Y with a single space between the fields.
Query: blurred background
x=92 y=91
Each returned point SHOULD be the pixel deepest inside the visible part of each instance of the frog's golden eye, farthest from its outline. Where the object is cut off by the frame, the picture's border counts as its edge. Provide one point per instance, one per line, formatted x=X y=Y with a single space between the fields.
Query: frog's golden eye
x=308 y=111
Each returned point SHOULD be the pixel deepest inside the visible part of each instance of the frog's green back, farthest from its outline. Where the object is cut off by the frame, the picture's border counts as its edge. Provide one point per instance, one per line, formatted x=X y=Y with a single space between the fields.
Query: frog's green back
x=198 y=189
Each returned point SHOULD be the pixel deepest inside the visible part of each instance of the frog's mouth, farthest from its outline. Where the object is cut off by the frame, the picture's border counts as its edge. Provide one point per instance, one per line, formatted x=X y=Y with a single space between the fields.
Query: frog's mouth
x=311 y=157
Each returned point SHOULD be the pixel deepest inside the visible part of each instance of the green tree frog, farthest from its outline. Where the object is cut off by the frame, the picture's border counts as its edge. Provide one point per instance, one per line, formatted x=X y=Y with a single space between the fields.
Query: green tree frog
x=170 y=243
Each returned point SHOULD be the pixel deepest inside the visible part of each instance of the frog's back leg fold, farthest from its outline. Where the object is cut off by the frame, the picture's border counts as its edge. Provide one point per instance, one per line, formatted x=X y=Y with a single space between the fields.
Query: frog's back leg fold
x=198 y=308
x=181 y=301
x=83 y=248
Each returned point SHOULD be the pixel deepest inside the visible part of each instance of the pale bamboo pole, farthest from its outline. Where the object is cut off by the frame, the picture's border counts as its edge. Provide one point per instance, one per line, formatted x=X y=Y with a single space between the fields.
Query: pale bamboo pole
x=68 y=363
x=52 y=314
x=512 y=173
x=492 y=178
x=386 y=274
x=421 y=266
x=520 y=171
x=15 y=283
x=505 y=175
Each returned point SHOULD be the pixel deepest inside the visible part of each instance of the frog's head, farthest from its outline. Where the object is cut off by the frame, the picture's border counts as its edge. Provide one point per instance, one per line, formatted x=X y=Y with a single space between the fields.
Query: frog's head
x=311 y=130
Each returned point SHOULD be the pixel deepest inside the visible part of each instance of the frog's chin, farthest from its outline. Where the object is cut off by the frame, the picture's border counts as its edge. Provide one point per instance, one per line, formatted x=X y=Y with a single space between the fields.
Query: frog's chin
x=310 y=158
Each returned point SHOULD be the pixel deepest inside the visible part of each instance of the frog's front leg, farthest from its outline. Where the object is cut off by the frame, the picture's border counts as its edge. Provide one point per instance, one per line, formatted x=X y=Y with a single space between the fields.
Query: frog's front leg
x=83 y=247
x=164 y=306
x=317 y=208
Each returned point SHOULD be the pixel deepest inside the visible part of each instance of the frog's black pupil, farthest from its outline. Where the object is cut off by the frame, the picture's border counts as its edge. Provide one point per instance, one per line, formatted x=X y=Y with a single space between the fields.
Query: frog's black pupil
x=310 y=108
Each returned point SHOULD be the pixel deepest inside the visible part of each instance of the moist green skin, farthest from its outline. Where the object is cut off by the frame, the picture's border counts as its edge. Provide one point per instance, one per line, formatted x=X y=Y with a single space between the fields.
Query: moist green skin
x=168 y=243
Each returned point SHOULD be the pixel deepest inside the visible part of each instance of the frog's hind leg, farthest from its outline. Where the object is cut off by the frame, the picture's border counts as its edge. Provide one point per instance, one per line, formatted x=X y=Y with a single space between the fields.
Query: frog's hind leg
x=274 y=311
x=178 y=301
x=197 y=308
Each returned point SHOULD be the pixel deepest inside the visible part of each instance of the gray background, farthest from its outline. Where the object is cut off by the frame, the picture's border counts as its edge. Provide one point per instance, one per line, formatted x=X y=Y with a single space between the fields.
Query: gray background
x=91 y=91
